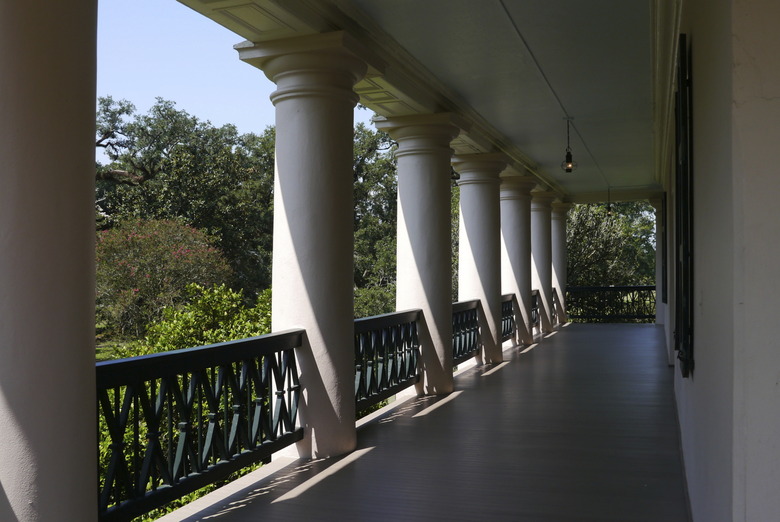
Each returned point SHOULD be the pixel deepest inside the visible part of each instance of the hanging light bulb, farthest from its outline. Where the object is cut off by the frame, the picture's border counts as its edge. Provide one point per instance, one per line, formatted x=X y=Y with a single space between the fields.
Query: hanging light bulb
x=568 y=165
x=609 y=202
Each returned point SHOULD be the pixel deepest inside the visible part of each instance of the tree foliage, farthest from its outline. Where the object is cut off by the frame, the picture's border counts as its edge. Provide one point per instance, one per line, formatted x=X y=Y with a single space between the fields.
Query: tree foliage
x=167 y=164
x=211 y=315
x=608 y=250
x=144 y=266
x=375 y=222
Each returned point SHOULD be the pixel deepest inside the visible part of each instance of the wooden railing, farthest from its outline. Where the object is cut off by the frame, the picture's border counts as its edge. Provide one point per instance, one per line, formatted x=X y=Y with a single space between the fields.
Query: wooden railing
x=508 y=325
x=173 y=422
x=611 y=304
x=535 y=315
x=387 y=351
x=465 y=330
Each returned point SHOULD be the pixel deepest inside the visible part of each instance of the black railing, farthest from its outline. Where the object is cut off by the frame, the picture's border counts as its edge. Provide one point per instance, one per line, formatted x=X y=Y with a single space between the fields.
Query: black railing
x=555 y=315
x=387 y=351
x=535 y=317
x=173 y=422
x=465 y=330
x=507 y=317
x=611 y=304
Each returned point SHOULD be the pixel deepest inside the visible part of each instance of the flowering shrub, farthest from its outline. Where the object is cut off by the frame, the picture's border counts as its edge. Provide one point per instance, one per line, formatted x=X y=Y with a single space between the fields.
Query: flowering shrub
x=144 y=266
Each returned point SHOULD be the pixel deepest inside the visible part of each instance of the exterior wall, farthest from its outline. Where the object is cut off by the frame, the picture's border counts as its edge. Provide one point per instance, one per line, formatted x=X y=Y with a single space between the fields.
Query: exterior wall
x=705 y=401
x=754 y=141
x=729 y=419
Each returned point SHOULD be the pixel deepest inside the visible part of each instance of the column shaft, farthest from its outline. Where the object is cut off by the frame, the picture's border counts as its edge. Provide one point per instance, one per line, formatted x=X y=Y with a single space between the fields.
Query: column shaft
x=541 y=253
x=516 y=248
x=660 y=306
x=479 y=270
x=48 y=462
x=559 y=267
x=424 y=275
x=313 y=230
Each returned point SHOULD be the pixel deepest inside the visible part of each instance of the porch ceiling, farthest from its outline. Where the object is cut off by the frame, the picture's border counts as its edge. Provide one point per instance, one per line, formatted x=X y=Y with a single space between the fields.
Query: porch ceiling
x=516 y=69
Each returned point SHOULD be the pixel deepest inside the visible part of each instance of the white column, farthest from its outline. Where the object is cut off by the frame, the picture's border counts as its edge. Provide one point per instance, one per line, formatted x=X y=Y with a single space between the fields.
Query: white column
x=424 y=275
x=516 y=247
x=660 y=307
x=313 y=213
x=479 y=270
x=558 y=243
x=48 y=467
x=541 y=254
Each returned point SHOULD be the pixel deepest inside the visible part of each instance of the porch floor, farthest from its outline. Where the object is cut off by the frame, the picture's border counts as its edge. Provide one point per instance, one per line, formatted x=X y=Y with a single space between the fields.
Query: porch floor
x=580 y=428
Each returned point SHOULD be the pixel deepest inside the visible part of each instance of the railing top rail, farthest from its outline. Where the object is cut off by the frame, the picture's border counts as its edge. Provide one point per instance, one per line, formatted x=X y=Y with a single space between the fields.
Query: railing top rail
x=365 y=324
x=461 y=306
x=608 y=288
x=121 y=372
x=507 y=297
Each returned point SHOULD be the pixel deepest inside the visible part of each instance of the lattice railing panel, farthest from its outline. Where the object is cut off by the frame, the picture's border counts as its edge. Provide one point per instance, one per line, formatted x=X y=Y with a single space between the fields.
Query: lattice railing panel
x=508 y=325
x=611 y=304
x=173 y=422
x=387 y=352
x=466 y=340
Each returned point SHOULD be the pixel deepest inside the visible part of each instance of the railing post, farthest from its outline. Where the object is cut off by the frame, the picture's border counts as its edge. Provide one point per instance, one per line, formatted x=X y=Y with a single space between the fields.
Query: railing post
x=424 y=275
x=479 y=270
x=47 y=256
x=313 y=213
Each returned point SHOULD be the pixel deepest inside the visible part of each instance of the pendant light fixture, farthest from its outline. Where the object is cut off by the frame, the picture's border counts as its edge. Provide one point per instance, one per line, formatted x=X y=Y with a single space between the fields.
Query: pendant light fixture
x=568 y=165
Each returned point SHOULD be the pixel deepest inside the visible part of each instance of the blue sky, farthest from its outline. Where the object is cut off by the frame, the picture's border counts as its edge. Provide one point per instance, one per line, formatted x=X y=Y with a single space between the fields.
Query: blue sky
x=151 y=48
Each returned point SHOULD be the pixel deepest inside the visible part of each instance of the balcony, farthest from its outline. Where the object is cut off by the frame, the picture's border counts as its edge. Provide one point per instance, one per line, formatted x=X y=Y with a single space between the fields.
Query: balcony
x=580 y=426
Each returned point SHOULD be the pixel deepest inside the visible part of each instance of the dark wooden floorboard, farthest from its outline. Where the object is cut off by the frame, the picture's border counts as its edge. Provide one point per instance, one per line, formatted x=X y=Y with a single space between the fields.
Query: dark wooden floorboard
x=581 y=428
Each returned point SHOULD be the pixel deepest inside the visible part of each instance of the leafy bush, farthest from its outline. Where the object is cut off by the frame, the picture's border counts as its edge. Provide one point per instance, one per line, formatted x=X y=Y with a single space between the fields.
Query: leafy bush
x=144 y=266
x=213 y=315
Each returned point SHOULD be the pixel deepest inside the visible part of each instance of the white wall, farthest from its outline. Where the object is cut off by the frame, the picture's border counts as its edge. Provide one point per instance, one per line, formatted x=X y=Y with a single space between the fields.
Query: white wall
x=730 y=409
x=705 y=400
x=756 y=180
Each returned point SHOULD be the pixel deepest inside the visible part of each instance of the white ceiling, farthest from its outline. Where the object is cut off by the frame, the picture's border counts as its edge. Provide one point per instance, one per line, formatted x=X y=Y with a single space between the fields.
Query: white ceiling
x=516 y=68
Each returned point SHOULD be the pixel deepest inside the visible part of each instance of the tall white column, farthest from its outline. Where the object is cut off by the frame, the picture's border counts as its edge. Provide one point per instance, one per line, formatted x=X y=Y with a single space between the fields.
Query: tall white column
x=541 y=254
x=479 y=270
x=660 y=306
x=48 y=466
x=558 y=243
x=424 y=275
x=516 y=247
x=313 y=213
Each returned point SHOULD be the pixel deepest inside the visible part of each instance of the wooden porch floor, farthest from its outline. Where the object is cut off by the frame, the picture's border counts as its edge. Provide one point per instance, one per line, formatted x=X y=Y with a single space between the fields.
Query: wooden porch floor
x=580 y=428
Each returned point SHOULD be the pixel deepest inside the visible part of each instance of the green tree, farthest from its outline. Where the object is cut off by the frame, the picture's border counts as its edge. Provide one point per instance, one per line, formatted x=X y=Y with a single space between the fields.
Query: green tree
x=375 y=222
x=167 y=164
x=606 y=250
x=144 y=266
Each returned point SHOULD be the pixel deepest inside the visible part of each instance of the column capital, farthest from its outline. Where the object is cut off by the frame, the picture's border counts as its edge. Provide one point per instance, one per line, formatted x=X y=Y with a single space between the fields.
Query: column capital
x=542 y=200
x=479 y=168
x=328 y=64
x=517 y=187
x=560 y=208
x=422 y=133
